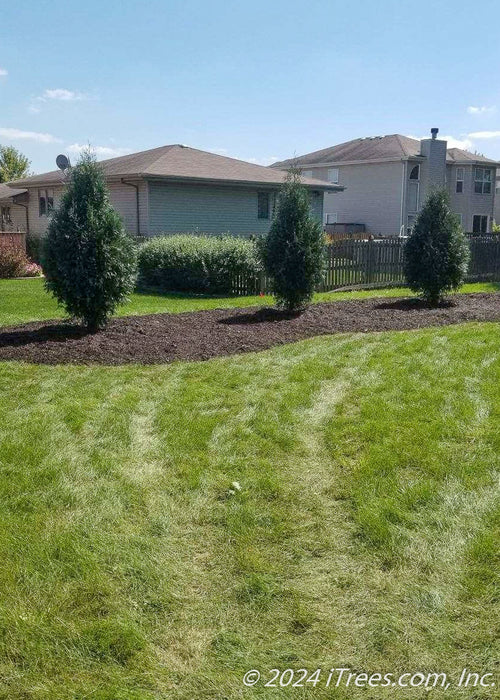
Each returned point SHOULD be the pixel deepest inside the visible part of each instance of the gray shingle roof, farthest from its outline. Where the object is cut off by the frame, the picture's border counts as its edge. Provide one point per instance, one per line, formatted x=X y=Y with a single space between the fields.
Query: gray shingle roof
x=183 y=163
x=393 y=147
x=6 y=191
x=370 y=148
x=457 y=155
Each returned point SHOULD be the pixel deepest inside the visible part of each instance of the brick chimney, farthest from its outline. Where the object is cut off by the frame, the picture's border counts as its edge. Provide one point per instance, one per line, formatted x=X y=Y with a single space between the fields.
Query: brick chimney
x=433 y=173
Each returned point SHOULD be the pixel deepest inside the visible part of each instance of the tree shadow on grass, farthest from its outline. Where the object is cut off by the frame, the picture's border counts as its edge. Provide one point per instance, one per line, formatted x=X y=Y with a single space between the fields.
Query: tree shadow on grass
x=56 y=333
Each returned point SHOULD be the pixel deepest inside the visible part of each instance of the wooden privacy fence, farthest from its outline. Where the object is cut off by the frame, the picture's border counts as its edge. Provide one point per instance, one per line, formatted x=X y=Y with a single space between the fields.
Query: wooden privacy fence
x=353 y=263
x=484 y=263
x=378 y=263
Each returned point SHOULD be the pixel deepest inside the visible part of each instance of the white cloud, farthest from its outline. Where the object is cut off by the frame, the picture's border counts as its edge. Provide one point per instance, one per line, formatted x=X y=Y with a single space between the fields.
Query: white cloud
x=56 y=94
x=257 y=161
x=20 y=135
x=3 y=72
x=263 y=161
x=485 y=135
x=464 y=143
x=100 y=151
x=481 y=110
x=63 y=95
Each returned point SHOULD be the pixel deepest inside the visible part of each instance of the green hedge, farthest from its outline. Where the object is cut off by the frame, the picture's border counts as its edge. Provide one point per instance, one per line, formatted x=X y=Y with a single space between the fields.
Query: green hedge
x=204 y=264
x=34 y=246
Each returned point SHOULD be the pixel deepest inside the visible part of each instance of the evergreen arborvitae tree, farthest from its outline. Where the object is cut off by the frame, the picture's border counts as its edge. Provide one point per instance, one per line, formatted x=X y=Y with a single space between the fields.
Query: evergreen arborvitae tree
x=436 y=255
x=293 y=250
x=88 y=260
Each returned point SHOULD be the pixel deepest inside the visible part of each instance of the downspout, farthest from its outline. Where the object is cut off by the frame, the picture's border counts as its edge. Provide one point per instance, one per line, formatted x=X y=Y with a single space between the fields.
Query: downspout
x=136 y=187
x=25 y=207
x=403 y=183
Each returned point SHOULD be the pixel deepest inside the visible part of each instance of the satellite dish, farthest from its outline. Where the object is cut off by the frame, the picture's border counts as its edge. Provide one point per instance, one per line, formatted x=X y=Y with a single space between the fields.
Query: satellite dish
x=62 y=162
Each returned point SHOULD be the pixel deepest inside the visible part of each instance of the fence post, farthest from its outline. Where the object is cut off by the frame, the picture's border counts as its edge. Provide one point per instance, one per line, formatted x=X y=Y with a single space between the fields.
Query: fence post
x=353 y=262
x=369 y=262
x=262 y=282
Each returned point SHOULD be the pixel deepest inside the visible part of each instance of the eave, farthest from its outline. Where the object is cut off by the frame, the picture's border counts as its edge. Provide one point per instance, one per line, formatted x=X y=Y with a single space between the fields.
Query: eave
x=322 y=186
x=338 y=163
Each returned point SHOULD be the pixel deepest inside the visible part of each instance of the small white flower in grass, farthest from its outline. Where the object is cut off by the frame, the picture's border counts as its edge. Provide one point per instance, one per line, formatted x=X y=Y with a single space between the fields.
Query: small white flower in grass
x=236 y=486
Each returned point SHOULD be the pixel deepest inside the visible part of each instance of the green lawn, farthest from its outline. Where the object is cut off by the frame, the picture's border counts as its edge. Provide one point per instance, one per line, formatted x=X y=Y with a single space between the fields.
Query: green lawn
x=26 y=300
x=365 y=534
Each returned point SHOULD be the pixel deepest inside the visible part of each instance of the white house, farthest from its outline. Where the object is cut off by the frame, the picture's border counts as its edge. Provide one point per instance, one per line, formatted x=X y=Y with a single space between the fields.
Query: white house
x=387 y=178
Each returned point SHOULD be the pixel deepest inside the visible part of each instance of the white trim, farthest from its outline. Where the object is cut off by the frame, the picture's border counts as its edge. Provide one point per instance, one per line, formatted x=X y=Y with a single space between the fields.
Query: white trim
x=403 y=196
x=414 y=179
x=409 y=228
x=483 y=181
x=416 y=184
x=333 y=176
x=485 y=216
x=330 y=217
x=339 y=163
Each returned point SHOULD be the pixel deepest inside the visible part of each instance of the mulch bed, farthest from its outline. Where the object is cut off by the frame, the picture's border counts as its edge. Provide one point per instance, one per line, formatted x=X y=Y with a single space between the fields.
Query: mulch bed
x=200 y=335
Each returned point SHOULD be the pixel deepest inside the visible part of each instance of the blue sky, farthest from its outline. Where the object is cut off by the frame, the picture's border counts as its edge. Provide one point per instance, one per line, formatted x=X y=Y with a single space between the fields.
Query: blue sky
x=255 y=80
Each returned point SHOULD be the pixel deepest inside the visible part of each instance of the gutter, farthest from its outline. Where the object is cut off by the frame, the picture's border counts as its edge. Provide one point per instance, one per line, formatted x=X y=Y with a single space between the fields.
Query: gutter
x=25 y=207
x=136 y=187
x=339 y=163
x=319 y=185
x=403 y=198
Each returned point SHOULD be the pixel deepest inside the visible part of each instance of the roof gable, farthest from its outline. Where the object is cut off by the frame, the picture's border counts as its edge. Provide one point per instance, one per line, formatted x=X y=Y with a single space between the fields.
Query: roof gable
x=179 y=162
x=390 y=147
x=458 y=155
x=7 y=192
x=376 y=148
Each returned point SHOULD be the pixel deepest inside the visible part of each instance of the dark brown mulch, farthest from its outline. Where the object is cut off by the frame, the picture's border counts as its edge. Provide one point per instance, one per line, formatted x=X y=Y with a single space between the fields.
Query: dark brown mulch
x=200 y=335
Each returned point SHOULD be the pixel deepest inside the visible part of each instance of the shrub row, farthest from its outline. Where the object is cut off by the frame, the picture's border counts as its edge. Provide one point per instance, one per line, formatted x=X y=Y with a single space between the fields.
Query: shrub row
x=15 y=263
x=201 y=264
x=34 y=246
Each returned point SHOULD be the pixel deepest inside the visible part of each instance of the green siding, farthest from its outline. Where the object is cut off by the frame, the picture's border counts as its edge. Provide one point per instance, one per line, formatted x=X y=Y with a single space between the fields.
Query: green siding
x=176 y=208
x=212 y=209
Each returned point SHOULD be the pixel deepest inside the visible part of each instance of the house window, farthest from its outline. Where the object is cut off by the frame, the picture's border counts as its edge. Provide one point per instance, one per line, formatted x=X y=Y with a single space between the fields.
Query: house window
x=263 y=205
x=415 y=173
x=5 y=215
x=413 y=196
x=331 y=218
x=410 y=224
x=479 y=223
x=42 y=203
x=45 y=202
x=459 y=185
x=482 y=180
x=307 y=173
x=460 y=218
x=333 y=175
